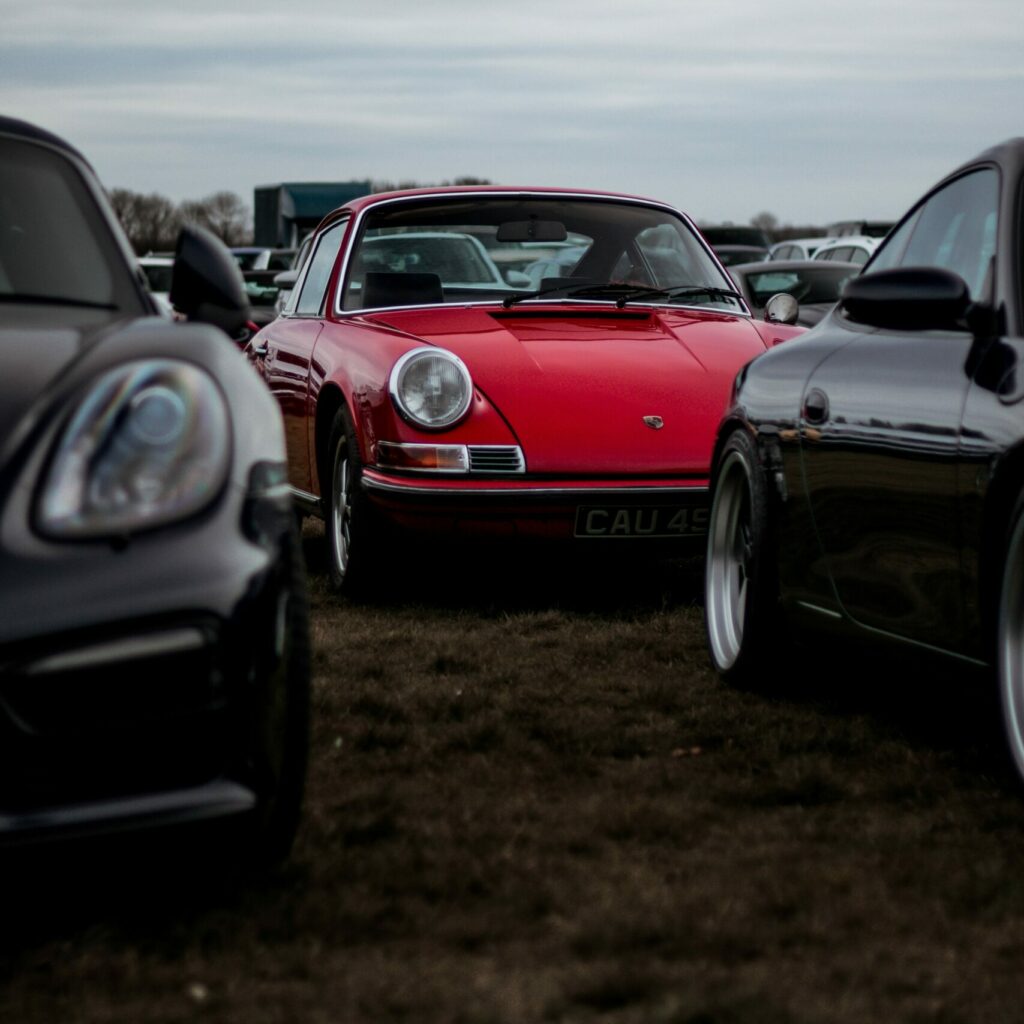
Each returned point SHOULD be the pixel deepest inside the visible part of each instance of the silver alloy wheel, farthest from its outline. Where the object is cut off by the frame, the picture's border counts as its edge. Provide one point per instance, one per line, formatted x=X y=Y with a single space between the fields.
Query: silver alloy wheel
x=341 y=508
x=1011 y=647
x=728 y=559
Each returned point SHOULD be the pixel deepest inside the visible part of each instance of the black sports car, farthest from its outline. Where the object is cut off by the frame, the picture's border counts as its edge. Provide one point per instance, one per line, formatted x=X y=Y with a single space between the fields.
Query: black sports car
x=869 y=475
x=153 y=625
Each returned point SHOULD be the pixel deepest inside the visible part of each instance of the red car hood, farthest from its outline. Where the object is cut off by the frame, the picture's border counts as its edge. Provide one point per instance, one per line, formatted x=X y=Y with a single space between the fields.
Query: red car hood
x=576 y=384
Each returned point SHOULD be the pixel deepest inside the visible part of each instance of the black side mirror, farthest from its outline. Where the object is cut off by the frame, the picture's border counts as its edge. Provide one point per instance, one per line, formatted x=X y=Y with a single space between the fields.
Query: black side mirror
x=908 y=299
x=206 y=284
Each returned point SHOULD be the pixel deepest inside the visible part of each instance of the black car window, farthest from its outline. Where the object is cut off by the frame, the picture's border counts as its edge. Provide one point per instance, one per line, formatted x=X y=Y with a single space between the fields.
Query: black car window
x=321 y=263
x=956 y=229
x=55 y=243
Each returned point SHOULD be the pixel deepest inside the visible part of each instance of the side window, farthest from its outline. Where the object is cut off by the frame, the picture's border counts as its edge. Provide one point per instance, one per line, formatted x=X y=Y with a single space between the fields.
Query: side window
x=321 y=263
x=955 y=230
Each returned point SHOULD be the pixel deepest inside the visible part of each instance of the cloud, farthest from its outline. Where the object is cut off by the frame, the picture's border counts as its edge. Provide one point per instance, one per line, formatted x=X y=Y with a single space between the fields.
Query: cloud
x=813 y=111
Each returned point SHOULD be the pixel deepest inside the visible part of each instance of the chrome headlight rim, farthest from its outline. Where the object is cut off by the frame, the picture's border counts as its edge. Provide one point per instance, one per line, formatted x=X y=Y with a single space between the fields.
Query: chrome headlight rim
x=397 y=376
x=83 y=439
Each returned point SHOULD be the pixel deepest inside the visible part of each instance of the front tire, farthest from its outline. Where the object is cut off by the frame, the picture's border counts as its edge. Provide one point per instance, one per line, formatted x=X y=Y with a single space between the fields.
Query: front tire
x=741 y=588
x=1010 y=649
x=348 y=516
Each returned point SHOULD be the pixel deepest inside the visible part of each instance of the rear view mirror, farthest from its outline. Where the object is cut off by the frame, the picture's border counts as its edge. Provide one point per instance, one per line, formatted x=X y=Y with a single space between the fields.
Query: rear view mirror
x=206 y=284
x=531 y=231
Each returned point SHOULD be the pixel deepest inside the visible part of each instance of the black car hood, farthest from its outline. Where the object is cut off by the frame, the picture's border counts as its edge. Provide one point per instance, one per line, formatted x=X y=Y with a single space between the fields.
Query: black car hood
x=38 y=351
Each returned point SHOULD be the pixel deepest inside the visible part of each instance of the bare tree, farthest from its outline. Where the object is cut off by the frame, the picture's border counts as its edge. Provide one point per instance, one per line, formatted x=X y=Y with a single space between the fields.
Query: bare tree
x=151 y=221
x=223 y=213
x=767 y=222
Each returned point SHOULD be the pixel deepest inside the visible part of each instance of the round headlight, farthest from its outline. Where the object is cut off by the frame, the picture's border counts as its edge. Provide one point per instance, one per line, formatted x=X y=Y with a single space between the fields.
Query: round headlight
x=148 y=444
x=431 y=387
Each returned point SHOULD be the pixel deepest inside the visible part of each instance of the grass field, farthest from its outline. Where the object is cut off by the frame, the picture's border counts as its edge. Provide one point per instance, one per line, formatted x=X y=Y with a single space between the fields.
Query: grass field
x=530 y=800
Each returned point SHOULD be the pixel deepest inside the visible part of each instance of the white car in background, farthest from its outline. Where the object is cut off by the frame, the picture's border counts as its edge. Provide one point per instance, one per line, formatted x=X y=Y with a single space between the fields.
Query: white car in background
x=797 y=248
x=158 y=271
x=848 y=249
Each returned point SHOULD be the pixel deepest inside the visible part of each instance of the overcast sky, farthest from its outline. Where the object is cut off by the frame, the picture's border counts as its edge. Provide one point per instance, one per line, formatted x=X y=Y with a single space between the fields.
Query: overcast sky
x=810 y=109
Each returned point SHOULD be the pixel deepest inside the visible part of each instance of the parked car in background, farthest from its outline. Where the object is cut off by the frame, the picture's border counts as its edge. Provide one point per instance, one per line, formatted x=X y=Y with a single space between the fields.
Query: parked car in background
x=816 y=285
x=260 y=266
x=850 y=249
x=873 y=228
x=423 y=398
x=869 y=477
x=259 y=257
x=729 y=255
x=737 y=244
x=797 y=248
x=285 y=280
x=158 y=271
x=153 y=634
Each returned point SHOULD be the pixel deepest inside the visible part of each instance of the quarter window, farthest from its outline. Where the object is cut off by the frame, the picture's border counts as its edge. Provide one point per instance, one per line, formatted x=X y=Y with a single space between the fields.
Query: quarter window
x=321 y=263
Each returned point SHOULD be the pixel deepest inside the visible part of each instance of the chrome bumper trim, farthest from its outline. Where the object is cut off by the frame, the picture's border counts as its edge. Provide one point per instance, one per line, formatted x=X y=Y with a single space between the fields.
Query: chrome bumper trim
x=512 y=493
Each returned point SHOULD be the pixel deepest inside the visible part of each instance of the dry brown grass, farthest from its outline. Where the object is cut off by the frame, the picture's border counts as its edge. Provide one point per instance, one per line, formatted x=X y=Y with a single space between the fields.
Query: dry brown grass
x=532 y=801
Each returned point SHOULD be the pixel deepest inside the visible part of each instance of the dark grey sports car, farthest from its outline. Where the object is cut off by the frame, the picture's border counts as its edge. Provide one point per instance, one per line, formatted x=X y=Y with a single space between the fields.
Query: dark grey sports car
x=153 y=633
x=869 y=475
x=815 y=284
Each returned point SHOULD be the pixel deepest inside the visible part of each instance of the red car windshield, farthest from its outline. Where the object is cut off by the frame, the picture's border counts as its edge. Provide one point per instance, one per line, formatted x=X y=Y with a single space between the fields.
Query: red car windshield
x=468 y=247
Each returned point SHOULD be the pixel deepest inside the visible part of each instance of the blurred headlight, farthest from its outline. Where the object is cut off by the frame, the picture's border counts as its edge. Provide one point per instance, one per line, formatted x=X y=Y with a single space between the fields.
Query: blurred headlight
x=431 y=387
x=148 y=445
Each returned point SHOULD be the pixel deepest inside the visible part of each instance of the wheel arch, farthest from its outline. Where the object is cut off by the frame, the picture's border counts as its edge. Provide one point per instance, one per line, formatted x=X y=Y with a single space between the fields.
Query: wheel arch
x=1004 y=497
x=726 y=429
x=330 y=400
x=729 y=426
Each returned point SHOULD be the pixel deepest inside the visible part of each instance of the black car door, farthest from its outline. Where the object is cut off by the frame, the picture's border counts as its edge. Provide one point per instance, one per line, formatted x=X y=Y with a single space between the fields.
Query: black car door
x=880 y=435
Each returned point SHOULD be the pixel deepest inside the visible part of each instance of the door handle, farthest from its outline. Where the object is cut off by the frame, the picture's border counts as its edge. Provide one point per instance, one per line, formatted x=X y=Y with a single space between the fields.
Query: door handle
x=815 y=406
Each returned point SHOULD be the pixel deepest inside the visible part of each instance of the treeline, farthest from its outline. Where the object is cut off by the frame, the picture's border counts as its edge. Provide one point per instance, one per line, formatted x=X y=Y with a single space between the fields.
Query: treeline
x=152 y=221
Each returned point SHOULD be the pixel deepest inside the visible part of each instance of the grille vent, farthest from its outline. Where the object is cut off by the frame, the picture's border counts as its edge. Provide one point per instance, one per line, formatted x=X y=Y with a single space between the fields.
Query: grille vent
x=496 y=459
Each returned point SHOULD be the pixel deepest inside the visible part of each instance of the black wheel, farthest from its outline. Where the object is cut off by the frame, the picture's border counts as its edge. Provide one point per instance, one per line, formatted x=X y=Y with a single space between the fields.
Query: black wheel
x=278 y=733
x=351 y=526
x=1010 y=649
x=741 y=589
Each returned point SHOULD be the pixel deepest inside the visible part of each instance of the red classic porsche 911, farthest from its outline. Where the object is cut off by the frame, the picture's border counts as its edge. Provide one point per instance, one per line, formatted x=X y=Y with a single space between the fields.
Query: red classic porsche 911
x=498 y=362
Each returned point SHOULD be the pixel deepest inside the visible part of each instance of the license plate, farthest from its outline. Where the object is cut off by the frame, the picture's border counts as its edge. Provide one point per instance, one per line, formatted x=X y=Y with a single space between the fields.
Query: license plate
x=638 y=521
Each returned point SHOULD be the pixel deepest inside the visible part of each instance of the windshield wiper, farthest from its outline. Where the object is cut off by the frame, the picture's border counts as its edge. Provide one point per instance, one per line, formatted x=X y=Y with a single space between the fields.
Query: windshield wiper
x=54 y=300
x=597 y=289
x=681 y=293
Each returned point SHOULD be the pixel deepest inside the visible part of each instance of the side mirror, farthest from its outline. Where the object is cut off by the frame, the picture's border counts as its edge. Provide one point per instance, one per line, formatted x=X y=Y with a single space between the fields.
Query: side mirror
x=206 y=284
x=781 y=308
x=908 y=299
x=286 y=279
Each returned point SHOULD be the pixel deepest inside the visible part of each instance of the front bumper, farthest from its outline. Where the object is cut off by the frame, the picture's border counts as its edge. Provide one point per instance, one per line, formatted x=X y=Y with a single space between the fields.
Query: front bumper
x=550 y=509
x=130 y=679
